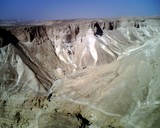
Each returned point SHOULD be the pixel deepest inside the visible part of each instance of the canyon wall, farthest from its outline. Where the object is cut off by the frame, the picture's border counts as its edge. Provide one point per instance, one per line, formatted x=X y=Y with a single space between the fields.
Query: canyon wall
x=72 y=69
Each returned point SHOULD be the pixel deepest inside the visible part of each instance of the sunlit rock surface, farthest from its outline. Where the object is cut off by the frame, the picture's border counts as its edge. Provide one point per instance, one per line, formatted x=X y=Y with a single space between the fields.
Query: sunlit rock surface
x=95 y=73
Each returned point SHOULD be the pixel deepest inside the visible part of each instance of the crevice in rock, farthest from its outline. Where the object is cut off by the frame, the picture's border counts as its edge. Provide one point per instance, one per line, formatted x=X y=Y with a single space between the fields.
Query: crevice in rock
x=136 y=25
x=111 y=26
x=97 y=29
x=49 y=96
x=68 y=38
x=17 y=117
x=77 y=31
x=84 y=121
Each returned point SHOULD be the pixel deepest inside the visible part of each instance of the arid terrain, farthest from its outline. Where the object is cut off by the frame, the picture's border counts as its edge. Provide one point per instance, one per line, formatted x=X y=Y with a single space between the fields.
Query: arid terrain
x=84 y=73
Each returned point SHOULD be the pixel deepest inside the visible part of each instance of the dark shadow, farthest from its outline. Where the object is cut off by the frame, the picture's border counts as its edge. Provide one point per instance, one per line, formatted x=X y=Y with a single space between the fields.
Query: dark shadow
x=68 y=38
x=7 y=37
x=98 y=30
x=136 y=25
x=84 y=121
x=111 y=26
x=77 y=31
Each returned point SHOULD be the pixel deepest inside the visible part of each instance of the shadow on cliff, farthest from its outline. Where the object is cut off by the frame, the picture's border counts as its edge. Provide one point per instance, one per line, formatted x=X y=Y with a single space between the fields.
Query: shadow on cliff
x=7 y=37
x=98 y=30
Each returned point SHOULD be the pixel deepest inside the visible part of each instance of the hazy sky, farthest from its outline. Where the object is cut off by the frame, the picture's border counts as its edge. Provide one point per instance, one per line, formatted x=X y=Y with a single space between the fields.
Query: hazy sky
x=70 y=9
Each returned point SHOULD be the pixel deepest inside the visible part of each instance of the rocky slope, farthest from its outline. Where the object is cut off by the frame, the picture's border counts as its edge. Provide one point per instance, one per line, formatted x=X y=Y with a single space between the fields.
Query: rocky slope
x=80 y=73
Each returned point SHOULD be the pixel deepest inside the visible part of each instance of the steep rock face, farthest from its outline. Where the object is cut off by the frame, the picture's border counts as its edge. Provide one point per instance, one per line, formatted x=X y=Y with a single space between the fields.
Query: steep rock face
x=80 y=73
x=75 y=41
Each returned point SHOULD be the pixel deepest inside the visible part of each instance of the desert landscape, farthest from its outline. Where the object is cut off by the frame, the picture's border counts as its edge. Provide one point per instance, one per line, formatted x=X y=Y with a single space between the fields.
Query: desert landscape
x=82 y=73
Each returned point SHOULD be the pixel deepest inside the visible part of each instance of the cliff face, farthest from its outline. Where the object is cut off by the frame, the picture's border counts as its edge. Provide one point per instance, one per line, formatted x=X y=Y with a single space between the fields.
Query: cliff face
x=51 y=63
x=99 y=42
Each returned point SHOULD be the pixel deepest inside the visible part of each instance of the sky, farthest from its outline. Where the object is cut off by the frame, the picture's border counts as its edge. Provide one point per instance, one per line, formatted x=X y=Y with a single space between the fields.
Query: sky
x=71 y=9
